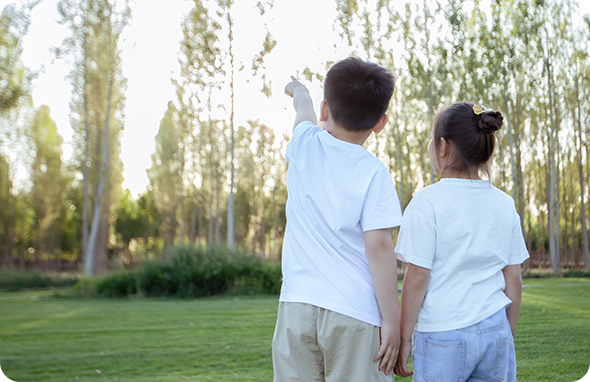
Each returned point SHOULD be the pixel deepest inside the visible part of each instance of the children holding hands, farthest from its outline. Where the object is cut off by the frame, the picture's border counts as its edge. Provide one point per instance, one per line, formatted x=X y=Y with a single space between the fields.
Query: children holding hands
x=338 y=317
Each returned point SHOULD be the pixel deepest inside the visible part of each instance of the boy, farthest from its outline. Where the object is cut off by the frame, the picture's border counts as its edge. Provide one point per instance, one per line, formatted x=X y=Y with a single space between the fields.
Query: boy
x=338 y=311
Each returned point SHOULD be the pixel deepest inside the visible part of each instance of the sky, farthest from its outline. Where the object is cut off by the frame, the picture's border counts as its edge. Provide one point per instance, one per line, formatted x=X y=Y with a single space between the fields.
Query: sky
x=150 y=45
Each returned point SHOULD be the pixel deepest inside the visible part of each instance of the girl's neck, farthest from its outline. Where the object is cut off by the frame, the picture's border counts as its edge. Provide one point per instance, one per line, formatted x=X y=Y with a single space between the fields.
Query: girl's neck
x=472 y=173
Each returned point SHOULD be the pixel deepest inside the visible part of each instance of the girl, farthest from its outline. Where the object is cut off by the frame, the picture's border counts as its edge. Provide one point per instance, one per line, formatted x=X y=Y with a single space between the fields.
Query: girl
x=462 y=240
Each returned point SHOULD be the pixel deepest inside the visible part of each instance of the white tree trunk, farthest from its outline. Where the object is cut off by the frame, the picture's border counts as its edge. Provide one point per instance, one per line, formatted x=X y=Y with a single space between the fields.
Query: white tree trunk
x=230 y=199
x=89 y=261
x=555 y=261
x=581 y=177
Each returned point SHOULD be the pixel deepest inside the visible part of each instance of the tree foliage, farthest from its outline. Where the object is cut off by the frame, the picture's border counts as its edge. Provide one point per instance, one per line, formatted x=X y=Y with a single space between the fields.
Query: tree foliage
x=215 y=179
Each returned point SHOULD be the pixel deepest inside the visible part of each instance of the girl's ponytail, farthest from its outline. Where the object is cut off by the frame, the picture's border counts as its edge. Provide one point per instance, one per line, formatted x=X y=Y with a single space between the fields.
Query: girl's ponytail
x=491 y=121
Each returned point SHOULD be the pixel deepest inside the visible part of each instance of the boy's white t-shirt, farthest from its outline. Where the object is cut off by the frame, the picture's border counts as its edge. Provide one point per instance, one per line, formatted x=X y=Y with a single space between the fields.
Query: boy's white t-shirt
x=465 y=231
x=337 y=191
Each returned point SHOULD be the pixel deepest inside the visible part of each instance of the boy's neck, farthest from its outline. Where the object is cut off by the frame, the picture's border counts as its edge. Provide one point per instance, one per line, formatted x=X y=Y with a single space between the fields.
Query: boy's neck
x=339 y=132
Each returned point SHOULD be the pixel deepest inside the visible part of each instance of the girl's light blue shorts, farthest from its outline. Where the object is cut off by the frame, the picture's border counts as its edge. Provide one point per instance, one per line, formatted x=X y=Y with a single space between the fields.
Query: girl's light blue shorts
x=481 y=352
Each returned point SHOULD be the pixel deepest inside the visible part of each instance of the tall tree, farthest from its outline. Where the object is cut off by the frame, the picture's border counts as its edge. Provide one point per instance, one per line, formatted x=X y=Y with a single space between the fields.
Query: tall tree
x=97 y=105
x=165 y=172
x=48 y=184
x=225 y=7
x=15 y=100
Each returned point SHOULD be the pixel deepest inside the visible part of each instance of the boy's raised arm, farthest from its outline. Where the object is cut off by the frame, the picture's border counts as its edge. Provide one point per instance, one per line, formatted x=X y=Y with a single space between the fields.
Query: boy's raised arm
x=301 y=101
x=382 y=263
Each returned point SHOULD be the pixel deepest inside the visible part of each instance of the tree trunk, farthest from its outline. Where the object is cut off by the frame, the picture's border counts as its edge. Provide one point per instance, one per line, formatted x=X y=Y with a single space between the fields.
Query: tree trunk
x=574 y=248
x=557 y=201
x=102 y=252
x=230 y=199
x=565 y=243
x=89 y=260
x=85 y=205
x=274 y=220
x=581 y=178
x=588 y=177
x=193 y=218
x=400 y=158
x=200 y=224
x=502 y=168
x=529 y=240
x=262 y=228
x=511 y=142
x=543 y=229
x=217 y=214
x=255 y=220
x=8 y=250
x=555 y=260
x=583 y=212
x=211 y=210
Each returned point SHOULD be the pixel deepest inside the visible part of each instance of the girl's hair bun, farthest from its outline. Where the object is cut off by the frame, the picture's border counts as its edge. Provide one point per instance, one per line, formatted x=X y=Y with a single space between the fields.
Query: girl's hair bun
x=491 y=121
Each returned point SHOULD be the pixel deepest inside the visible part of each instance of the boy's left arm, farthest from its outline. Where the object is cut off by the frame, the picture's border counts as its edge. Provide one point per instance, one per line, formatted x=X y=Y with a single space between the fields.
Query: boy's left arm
x=383 y=267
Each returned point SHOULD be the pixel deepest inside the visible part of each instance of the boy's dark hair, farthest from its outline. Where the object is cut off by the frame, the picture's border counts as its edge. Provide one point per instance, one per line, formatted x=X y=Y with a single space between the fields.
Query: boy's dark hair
x=471 y=134
x=358 y=93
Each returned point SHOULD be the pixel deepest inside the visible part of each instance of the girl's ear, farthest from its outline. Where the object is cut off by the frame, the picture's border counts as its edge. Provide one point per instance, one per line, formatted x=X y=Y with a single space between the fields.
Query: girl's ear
x=444 y=148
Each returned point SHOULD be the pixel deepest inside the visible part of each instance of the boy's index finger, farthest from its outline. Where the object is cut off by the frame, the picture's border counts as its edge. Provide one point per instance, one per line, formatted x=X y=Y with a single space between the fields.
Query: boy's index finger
x=290 y=87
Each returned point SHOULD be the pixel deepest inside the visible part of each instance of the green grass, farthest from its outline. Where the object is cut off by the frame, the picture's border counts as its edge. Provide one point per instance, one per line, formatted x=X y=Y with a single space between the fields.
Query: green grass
x=553 y=334
x=212 y=339
x=51 y=339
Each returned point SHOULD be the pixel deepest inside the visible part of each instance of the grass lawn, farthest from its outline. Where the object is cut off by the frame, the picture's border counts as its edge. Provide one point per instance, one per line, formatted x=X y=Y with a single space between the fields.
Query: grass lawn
x=228 y=338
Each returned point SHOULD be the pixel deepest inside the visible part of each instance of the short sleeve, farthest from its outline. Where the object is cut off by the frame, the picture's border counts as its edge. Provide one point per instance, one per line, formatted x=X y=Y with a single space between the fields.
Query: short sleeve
x=416 y=243
x=381 y=207
x=302 y=129
x=518 y=250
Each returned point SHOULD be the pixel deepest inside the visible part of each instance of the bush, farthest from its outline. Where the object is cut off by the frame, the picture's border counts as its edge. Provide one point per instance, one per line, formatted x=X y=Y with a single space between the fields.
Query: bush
x=198 y=272
x=17 y=279
x=118 y=284
x=85 y=287
x=576 y=273
x=189 y=272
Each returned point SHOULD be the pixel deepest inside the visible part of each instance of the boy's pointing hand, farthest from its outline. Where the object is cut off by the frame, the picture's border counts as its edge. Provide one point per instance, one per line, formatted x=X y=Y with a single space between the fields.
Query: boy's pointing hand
x=291 y=86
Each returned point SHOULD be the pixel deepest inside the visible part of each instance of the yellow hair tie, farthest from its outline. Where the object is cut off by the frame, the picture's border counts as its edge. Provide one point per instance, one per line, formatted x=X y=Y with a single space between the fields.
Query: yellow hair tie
x=478 y=110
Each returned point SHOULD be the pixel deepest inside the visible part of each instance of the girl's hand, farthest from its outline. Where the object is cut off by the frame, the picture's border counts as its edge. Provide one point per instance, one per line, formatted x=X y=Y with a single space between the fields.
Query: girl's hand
x=401 y=367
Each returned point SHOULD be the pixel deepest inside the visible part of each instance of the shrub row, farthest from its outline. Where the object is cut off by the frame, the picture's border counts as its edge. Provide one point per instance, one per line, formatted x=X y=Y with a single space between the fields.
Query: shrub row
x=190 y=272
x=576 y=273
x=17 y=279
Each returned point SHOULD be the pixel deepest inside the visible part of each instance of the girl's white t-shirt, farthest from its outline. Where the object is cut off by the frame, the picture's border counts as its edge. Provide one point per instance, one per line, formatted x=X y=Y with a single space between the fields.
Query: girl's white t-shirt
x=337 y=191
x=465 y=231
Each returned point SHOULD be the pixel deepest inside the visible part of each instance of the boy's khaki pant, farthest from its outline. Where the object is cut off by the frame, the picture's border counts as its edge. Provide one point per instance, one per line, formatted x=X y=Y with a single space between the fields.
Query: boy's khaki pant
x=315 y=344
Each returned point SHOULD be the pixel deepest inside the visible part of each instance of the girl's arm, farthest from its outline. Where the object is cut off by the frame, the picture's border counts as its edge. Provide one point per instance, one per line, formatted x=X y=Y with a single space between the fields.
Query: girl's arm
x=413 y=292
x=513 y=291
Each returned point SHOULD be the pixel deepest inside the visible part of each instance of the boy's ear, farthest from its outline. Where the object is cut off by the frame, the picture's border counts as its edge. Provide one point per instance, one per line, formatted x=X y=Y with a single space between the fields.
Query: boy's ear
x=381 y=124
x=324 y=111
